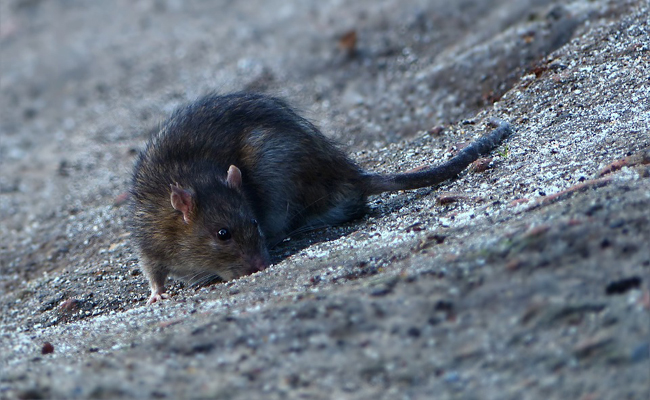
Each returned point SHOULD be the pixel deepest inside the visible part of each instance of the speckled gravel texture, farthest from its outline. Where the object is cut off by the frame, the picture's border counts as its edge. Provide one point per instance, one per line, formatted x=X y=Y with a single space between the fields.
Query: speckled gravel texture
x=529 y=280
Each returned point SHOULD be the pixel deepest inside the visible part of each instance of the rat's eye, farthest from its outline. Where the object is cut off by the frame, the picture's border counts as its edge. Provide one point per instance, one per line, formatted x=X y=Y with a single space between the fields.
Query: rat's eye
x=223 y=234
x=254 y=222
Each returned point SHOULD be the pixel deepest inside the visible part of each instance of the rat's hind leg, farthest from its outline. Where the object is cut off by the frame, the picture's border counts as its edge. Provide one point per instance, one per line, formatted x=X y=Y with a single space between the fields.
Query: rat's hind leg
x=342 y=208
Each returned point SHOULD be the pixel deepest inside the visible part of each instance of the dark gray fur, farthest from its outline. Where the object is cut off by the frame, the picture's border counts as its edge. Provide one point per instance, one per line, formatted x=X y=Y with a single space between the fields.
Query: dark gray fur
x=293 y=178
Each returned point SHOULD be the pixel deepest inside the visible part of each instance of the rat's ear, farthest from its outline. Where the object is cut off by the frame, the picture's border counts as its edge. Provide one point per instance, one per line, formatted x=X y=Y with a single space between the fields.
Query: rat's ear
x=233 y=180
x=182 y=201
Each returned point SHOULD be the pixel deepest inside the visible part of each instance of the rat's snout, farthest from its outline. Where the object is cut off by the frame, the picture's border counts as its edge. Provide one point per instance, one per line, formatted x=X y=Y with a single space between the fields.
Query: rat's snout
x=258 y=263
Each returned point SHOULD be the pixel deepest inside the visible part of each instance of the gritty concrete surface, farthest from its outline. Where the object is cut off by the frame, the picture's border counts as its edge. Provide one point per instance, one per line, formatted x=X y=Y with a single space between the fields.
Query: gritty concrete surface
x=528 y=280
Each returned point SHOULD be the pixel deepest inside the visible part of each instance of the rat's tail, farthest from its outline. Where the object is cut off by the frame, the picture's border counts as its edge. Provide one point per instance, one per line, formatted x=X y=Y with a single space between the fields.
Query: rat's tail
x=377 y=183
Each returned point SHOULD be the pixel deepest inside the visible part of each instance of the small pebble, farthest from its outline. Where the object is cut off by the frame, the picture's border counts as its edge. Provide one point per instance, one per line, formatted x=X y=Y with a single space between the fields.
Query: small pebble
x=47 y=348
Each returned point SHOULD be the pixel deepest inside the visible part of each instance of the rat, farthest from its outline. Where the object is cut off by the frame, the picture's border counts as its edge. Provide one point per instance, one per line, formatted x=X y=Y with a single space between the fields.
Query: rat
x=227 y=177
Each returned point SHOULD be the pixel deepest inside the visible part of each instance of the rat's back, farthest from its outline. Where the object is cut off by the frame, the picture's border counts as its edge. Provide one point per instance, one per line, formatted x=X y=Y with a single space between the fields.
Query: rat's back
x=293 y=176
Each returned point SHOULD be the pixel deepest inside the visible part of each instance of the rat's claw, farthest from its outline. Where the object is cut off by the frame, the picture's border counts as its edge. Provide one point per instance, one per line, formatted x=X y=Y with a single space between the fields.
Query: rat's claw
x=156 y=296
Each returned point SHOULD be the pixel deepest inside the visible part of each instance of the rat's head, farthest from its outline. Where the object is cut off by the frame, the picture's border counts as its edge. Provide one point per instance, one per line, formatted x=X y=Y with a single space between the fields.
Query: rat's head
x=221 y=234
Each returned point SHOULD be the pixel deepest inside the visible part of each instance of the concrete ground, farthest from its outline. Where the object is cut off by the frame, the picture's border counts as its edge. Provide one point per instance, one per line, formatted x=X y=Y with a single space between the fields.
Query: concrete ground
x=529 y=280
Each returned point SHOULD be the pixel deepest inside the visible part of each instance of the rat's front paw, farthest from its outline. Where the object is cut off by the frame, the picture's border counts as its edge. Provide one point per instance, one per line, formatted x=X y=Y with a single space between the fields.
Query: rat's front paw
x=157 y=296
